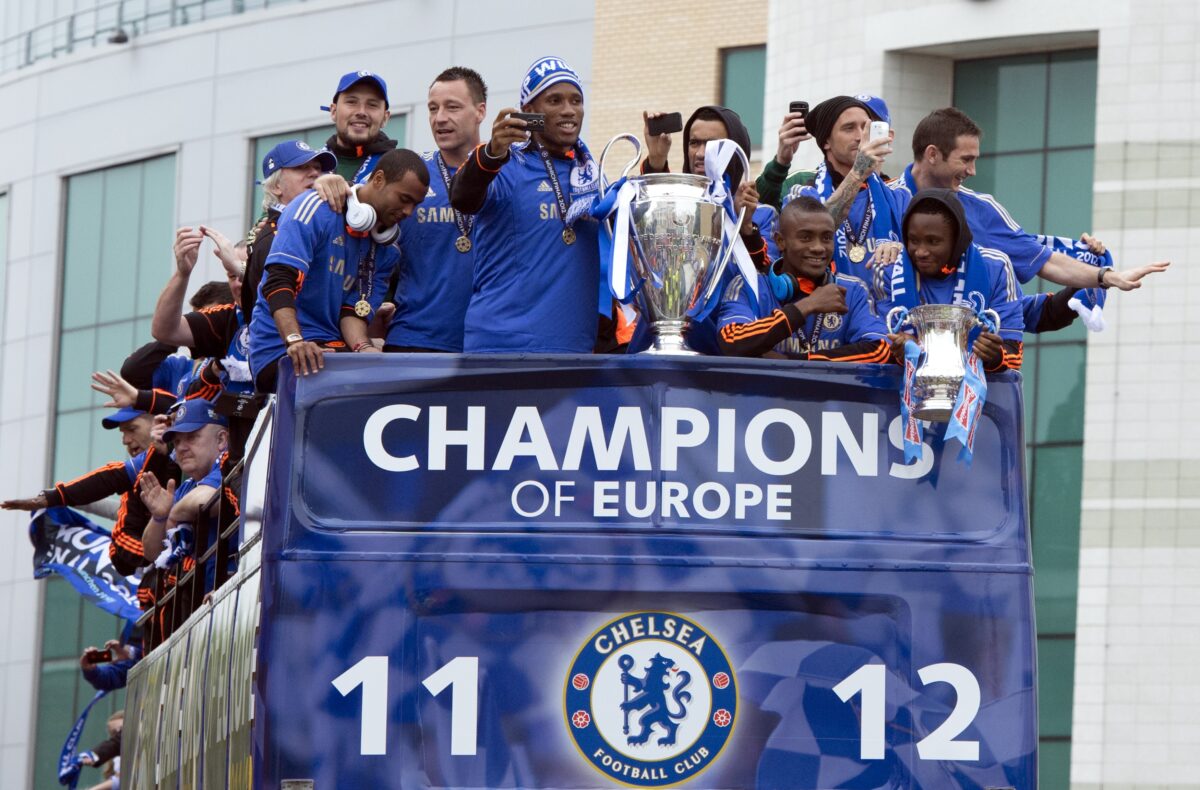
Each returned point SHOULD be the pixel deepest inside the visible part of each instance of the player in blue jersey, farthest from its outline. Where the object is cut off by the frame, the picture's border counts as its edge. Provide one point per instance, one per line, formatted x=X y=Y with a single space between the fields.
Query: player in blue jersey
x=803 y=309
x=437 y=251
x=945 y=150
x=537 y=267
x=941 y=265
x=328 y=271
x=848 y=181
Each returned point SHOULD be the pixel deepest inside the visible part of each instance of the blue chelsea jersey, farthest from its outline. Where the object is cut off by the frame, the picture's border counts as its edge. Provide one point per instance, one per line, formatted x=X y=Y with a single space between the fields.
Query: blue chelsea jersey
x=835 y=329
x=991 y=226
x=434 y=284
x=313 y=239
x=1002 y=293
x=532 y=292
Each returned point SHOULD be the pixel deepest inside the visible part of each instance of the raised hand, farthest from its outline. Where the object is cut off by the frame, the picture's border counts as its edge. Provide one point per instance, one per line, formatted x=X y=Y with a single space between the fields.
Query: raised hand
x=121 y=394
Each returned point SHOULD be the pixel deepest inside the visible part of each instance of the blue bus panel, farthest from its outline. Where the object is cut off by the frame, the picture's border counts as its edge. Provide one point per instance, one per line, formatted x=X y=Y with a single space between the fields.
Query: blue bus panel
x=579 y=572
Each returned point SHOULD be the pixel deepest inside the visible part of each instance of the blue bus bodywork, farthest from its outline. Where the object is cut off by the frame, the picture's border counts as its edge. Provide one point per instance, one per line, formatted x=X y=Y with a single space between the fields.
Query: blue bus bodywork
x=599 y=571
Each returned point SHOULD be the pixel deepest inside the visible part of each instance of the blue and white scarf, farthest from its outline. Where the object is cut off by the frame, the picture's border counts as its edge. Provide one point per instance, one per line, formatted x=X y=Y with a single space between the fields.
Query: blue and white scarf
x=1089 y=303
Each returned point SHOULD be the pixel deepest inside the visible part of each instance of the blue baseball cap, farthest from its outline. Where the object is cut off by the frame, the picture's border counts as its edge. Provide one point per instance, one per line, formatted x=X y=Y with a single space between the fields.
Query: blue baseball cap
x=877 y=107
x=192 y=415
x=355 y=77
x=294 y=153
x=121 y=415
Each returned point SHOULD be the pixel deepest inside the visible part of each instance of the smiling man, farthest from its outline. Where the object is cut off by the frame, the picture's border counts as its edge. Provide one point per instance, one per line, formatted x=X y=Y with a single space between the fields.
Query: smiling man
x=804 y=309
x=359 y=112
x=437 y=250
x=537 y=267
x=328 y=270
x=945 y=150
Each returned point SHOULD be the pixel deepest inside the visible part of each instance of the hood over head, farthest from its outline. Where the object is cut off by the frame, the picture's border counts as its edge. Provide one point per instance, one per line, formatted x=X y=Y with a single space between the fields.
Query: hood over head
x=949 y=200
x=734 y=129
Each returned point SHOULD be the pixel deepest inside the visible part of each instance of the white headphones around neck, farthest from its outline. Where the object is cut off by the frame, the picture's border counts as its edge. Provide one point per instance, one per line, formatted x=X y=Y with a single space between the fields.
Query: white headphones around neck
x=361 y=217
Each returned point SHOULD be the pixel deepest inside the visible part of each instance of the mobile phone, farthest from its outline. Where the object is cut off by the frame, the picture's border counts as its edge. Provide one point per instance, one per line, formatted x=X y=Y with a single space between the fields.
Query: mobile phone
x=665 y=124
x=99 y=656
x=534 y=121
x=800 y=107
x=878 y=129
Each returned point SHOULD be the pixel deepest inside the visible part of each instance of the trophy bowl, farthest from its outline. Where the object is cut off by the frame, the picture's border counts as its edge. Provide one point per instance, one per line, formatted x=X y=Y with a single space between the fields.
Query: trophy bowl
x=942 y=332
x=676 y=245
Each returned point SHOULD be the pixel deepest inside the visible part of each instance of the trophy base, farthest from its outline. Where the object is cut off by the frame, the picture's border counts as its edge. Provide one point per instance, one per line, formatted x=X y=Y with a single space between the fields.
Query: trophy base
x=935 y=410
x=669 y=339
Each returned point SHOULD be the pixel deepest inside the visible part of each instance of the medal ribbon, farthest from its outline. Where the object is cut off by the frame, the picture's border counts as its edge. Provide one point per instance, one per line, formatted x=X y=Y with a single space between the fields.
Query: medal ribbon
x=864 y=229
x=367 y=266
x=464 y=223
x=553 y=176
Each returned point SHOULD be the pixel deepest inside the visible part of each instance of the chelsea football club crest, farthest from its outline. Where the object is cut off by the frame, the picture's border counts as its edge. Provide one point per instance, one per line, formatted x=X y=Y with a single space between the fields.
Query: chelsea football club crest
x=651 y=699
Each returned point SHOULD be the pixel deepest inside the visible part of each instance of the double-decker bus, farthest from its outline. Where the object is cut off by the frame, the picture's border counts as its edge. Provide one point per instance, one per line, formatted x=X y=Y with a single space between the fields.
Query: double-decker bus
x=577 y=572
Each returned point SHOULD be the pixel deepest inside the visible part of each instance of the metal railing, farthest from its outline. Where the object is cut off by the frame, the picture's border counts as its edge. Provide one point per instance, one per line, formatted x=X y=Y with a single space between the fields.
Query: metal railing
x=115 y=23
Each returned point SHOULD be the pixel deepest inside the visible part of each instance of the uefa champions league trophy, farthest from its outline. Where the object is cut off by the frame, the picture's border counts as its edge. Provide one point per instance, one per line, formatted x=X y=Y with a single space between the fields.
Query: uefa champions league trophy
x=942 y=331
x=677 y=230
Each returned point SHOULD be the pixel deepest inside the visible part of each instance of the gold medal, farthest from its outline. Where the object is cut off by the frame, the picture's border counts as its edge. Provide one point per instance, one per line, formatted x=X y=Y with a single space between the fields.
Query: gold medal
x=462 y=244
x=857 y=253
x=569 y=235
x=362 y=308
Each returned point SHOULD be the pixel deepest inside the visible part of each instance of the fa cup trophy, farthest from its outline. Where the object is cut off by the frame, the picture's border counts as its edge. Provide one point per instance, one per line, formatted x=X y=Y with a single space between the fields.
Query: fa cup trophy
x=942 y=331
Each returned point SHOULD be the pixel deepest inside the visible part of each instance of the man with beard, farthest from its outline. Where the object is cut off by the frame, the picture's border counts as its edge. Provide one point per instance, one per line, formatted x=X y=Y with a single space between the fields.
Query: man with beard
x=537 y=267
x=359 y=112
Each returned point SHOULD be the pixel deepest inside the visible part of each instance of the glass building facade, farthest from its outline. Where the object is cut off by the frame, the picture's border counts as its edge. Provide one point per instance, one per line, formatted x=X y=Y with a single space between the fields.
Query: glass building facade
x=116 y=257
x=1037 y=153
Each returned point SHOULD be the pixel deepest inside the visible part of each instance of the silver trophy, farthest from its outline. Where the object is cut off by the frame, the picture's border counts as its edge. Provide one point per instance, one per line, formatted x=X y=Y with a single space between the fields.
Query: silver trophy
x=942 y=331
x=675 y=241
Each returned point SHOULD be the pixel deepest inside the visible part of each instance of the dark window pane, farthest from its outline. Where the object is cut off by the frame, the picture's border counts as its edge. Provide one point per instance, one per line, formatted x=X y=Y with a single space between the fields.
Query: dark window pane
x=1057 y=487
x=1006 y=97
x=1016 y=181
x=1072 y=99
x=155 y=262
x=56 y=715
x=81 y=249
x=743 y=84
x=1069 y=192
x=1029 y=386
x=1056 y=669
x=1054 y=764
x=119 y=241
x=1060 y=393
x=60 y=620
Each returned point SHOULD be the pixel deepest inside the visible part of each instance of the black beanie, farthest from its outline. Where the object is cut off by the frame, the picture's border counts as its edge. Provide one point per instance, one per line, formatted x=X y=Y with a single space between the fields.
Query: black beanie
x=822 y=118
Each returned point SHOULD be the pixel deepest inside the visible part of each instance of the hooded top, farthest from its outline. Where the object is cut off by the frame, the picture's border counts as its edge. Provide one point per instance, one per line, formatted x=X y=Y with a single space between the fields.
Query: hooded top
x=947 y=199
x=735 y=129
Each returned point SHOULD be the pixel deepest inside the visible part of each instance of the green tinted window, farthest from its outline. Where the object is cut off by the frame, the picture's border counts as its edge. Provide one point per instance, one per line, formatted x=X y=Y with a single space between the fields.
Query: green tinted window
x=1038 y=117
x=743 y=86
x=117 y=237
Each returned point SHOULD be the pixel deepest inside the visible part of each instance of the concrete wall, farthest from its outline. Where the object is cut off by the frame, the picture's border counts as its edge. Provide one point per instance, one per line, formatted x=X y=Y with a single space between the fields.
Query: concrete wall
x=203 y=91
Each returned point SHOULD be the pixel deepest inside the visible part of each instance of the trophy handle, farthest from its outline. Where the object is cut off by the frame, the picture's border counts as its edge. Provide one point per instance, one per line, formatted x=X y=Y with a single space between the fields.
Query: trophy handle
x=896 y=318
x=637 y=156
x=715 y=279
x=989 y=319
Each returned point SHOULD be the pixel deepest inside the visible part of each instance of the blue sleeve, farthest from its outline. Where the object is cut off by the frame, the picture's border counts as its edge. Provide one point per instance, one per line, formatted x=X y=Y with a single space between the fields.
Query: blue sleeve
x=296 y=234
x=1031 y=309
x=863 y=323
x=735 y=306
x=994 y=227
x=109 y=677
x=1007 y=305
x=134 y=465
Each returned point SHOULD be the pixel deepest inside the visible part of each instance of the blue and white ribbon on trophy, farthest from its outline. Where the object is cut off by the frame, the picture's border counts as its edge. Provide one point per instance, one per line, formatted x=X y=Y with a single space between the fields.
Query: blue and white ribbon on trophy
x=1089 y=303
x=717 y=156
x=972 y=393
